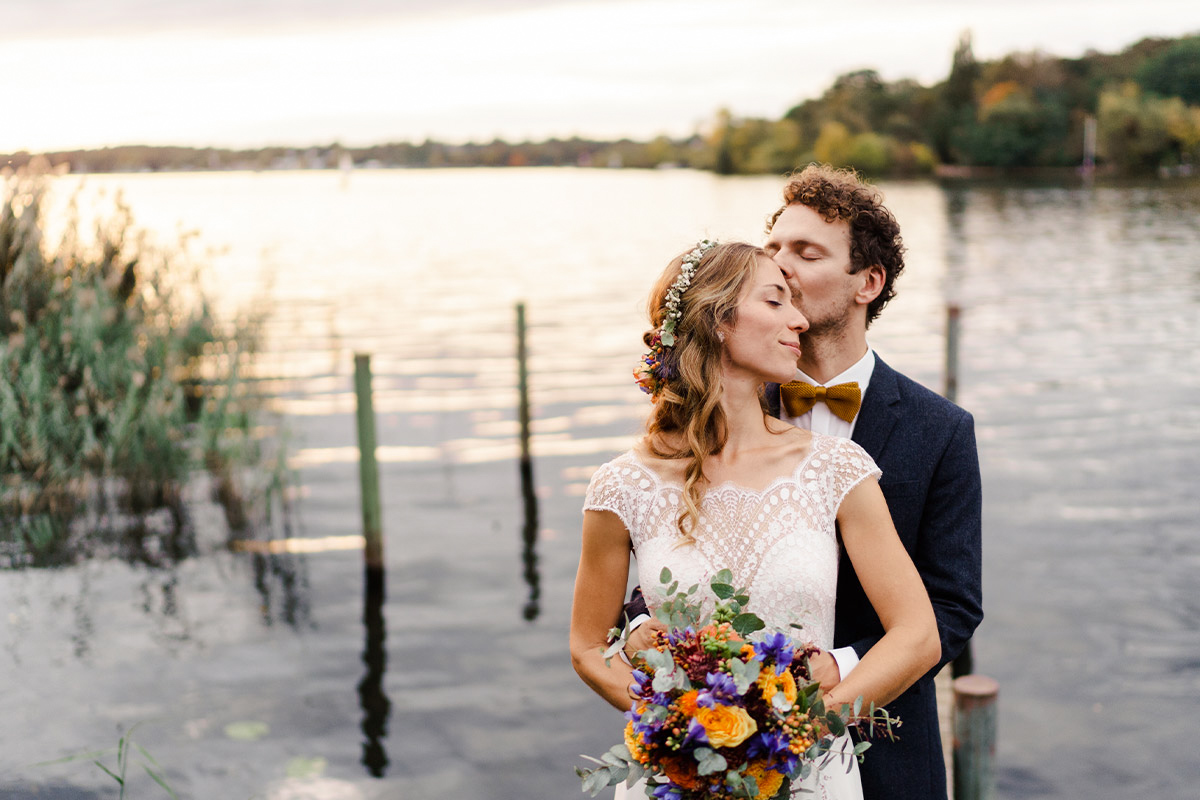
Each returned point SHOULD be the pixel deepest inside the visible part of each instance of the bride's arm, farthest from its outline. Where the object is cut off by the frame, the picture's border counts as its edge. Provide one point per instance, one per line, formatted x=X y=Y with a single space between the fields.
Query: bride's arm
x=599 y=597
x=910 y=646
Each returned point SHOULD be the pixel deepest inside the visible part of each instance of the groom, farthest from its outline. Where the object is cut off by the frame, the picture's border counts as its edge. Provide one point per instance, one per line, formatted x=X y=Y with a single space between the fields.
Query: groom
x=840 y=251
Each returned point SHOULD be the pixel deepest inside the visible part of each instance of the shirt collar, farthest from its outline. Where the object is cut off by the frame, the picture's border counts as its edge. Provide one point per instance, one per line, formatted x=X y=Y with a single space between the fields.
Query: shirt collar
x=859 y=372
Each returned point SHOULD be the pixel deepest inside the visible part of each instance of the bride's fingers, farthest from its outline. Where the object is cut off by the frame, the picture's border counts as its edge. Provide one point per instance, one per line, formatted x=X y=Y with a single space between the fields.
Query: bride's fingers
x=642 y=637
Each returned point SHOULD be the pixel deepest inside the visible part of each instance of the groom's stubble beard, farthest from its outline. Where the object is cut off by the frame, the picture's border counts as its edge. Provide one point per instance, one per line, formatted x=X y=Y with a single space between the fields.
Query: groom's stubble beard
x=825 y=338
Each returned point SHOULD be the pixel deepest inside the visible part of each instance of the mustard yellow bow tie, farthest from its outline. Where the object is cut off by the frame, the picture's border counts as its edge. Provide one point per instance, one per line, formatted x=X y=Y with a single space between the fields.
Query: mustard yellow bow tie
x=843 y=399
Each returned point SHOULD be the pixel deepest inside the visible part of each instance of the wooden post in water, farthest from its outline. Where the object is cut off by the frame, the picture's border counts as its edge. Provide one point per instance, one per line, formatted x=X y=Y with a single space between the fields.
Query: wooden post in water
x=528 y=494
x=964 y=664
x=522 y=385
x=368 y=469
x=953 y=312
x=975 y=737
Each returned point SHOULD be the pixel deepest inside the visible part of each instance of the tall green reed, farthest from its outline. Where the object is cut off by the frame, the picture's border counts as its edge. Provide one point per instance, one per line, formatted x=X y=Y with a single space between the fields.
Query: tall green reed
x=119 y=384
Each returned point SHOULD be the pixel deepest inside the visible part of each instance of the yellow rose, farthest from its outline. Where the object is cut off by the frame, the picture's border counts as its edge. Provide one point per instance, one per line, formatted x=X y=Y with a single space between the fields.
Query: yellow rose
x=726 y=726
x=770 y=683
x=768 y=781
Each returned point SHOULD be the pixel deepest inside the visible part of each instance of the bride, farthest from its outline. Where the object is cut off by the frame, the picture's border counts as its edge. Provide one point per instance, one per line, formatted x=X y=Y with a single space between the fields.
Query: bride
x=717 y=483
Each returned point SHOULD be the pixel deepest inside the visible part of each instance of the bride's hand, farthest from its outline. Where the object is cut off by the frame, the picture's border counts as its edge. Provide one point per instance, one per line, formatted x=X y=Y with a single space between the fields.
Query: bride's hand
x=642 y=637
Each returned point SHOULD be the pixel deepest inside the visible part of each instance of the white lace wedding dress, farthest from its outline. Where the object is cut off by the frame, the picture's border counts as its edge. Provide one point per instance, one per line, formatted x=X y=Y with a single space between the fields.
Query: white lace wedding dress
x=779 y=542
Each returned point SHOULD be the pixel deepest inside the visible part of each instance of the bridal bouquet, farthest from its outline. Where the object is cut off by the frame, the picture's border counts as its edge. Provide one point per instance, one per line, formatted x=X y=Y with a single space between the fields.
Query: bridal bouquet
x=722 y=709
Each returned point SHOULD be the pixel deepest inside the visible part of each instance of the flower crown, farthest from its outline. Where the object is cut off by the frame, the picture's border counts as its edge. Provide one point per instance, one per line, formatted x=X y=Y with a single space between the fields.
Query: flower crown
x=650 y=373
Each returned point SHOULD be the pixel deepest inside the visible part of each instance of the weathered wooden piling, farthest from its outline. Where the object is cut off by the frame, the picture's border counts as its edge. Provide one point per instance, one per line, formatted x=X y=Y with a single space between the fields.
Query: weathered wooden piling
x=522 y=384
x=953 y=313
x=368 y=468
x=975 y=737
x=528 y=495
x=964 y=664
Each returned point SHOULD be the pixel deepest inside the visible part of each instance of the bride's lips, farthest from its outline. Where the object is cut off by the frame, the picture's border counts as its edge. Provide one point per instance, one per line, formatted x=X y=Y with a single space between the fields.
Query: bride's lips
x=793 y=347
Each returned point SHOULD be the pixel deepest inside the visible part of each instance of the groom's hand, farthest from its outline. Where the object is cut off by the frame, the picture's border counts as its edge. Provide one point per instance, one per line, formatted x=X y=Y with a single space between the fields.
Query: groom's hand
x=824 y=669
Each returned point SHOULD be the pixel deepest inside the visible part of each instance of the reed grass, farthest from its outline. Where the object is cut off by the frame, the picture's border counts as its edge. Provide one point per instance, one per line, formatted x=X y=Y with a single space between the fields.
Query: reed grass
x=119 y=384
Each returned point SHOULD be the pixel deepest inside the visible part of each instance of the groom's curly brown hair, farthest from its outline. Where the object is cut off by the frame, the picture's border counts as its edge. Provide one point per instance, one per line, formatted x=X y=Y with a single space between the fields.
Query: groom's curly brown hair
x=874 y=233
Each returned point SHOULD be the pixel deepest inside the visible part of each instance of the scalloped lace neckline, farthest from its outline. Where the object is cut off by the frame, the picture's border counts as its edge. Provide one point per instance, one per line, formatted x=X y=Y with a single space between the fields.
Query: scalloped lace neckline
x=724 y=486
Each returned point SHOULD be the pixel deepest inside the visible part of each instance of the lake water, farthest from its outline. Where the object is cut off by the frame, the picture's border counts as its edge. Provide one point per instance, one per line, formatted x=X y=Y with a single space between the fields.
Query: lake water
x=1080 y=358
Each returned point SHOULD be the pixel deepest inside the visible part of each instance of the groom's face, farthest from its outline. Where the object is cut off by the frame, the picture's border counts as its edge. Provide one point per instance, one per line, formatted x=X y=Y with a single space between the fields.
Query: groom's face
x=814 y=256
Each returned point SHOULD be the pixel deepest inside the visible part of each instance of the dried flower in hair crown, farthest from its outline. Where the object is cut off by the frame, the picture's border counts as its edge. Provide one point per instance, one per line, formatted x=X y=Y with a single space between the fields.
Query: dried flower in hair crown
x=649 y=373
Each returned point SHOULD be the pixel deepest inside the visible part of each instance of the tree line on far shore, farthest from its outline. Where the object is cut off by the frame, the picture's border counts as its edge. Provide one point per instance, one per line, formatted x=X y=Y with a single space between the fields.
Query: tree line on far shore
x=1026 y=111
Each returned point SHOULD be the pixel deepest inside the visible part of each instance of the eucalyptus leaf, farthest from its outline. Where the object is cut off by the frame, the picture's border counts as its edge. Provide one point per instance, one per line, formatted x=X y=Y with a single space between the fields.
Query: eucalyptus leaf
x=595 y=782
x=744 y=673
x=722 y=590
x=723 y=576
x=746 y=624
x=664 y=576
x=709 y=761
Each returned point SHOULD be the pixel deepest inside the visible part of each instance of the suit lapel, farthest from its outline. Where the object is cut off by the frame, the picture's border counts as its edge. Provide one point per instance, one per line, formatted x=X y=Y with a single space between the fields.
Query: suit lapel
x=879 y=411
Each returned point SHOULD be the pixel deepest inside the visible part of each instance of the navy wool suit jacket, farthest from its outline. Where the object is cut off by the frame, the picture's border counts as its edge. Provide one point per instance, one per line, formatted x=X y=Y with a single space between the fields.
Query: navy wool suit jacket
x=925 y=446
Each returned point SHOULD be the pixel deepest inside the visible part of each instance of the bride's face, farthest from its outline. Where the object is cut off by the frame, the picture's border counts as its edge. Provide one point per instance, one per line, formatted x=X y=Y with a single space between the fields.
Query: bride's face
x=765 y=340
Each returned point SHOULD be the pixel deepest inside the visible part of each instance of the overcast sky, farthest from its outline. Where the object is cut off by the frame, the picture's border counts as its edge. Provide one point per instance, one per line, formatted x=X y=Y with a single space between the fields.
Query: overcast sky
x=82 y=73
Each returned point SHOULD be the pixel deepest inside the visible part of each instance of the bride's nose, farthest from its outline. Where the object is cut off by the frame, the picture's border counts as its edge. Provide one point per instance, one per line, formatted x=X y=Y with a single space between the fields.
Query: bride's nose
x=799 y=322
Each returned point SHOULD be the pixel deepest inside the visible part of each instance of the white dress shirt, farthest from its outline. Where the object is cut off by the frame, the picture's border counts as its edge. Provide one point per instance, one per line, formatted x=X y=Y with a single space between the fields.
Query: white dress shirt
x=820 y=419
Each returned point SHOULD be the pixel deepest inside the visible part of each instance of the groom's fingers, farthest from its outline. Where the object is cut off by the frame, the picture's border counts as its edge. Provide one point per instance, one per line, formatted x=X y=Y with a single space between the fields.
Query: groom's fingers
x=825 y=669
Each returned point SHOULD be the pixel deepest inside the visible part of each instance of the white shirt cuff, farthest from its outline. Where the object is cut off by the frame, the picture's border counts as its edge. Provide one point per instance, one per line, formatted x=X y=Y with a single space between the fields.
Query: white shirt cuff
x=617 y=646
x=846 y=660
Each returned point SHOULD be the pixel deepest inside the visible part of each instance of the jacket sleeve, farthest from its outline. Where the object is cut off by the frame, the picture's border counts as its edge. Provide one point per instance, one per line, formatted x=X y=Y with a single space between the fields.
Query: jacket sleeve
x=948 y=550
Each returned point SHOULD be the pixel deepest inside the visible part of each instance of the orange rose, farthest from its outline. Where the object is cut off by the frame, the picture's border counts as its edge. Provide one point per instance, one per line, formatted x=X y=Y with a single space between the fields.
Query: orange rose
x=726 y=726
x=682 y=772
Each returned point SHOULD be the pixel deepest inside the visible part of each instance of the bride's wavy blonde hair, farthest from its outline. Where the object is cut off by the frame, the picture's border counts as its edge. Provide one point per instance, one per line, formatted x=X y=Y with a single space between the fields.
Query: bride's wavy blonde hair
x=687 y=420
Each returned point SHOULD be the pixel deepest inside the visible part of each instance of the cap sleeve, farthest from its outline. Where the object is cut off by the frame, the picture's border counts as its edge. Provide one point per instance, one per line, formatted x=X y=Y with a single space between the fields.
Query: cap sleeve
x=849 y=465
x=608 y=492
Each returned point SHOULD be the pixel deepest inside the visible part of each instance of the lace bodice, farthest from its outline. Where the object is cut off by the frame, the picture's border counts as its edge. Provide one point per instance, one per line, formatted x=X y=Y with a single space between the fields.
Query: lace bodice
x=779 y=542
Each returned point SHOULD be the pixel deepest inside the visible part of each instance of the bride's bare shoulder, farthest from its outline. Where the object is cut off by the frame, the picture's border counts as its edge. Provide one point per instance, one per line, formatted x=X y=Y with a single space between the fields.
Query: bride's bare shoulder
x=790 y=440
x=656 y=457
